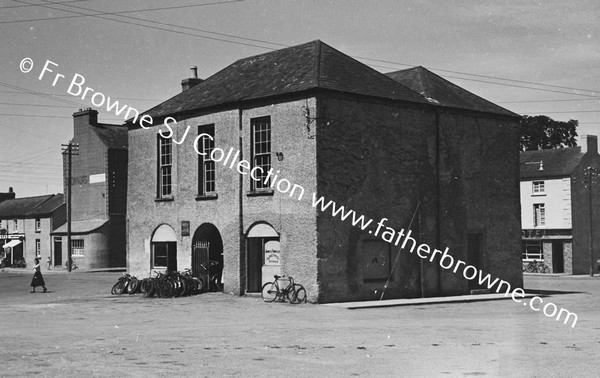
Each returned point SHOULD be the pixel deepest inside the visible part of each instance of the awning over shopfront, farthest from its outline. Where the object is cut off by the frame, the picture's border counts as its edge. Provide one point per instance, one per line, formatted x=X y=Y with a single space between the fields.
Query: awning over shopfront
x=11 y=243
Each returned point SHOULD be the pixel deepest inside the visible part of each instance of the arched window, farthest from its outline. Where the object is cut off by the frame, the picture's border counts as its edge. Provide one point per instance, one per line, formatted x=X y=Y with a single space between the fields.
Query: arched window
x=164 y=248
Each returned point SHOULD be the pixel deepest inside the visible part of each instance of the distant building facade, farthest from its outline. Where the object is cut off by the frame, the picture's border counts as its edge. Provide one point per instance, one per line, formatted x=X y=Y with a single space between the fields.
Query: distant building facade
x=26 y=225
x=402 y=146
x=99 y=194
x=560 y=196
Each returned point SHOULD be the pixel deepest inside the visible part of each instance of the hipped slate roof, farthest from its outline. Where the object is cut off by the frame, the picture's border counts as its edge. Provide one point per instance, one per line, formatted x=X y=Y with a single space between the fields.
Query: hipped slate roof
x=442 y=92
x=558 y=162
x=29 y=207
x=307 y=66
x=113 y=136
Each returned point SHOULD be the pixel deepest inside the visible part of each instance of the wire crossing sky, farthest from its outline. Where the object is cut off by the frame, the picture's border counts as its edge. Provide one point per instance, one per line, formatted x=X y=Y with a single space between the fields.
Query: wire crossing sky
x=532 y=58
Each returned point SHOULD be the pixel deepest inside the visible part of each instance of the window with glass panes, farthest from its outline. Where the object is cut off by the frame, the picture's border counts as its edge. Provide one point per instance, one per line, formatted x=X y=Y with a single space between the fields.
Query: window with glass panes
x=38 y=247
x=539 y=215
x=38 y=224
x=538 y=187
x=206 y=165
x=77 y=247
x=165 y=163
x=532 y=250
x=261 y=151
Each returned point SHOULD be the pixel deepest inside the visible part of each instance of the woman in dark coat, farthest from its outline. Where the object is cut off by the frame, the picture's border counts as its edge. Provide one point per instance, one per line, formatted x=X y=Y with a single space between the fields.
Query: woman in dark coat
x=37 y=279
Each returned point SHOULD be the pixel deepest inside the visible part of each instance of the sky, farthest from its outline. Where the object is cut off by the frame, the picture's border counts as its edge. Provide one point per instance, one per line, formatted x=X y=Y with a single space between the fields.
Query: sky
x=531 y=57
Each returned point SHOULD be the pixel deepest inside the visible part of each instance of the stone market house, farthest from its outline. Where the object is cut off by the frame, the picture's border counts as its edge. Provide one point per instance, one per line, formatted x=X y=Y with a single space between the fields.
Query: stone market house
x=26 y=225
x=408 y=145
x=557 y=205
x=99 y=194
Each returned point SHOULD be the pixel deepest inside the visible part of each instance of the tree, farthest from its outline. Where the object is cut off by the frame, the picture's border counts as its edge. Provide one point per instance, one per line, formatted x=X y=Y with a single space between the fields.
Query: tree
x=542 y=133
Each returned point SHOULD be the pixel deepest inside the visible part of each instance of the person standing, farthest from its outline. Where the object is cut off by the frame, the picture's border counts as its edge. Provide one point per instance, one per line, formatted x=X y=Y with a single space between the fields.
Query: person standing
x=37 y=279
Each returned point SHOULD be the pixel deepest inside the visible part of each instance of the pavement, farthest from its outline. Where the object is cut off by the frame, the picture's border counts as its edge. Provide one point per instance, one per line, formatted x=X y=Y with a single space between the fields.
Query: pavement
x=78 y=329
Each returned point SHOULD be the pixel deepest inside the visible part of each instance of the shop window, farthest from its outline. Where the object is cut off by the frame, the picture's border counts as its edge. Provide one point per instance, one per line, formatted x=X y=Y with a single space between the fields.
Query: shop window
x=165 y=165
x=261 y=152
x=532 y=250
x=539 y=187
x=206 y=165
x=77 y=247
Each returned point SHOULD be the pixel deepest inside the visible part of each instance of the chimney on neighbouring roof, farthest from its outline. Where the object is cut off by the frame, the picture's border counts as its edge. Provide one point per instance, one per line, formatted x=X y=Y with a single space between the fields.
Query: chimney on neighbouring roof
x=8 y=195
x=588 y=143
x=191 y=82
x=85 y=117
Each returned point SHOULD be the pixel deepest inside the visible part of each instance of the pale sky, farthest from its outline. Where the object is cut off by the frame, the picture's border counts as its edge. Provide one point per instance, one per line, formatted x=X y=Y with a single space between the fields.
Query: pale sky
x=549 y=45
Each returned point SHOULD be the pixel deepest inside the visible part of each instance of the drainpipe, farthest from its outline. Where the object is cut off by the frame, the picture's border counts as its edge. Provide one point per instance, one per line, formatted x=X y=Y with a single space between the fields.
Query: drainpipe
x=438 y=189
x=243 y=250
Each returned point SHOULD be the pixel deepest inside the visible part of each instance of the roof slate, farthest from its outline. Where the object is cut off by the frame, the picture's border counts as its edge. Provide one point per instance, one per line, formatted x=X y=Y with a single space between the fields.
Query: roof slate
x=289 y=70
x=28 y=207
x=113 y=136
x=441 y=92
x=558 y=162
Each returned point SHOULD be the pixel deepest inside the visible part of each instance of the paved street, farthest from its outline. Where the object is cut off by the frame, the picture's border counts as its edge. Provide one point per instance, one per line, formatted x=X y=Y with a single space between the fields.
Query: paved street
x=78 y=329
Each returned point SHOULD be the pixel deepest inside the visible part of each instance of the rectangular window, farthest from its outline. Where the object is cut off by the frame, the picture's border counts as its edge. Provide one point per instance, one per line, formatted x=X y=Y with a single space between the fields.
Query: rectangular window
x=532 y=250
x=206 y=165
x=38 y=247
x=164 y=255
x=261 y=152
x=38 y=224
x=539 y=215
x=15 y=225
x=77 y=247
x=165 y=163
x=538 y=187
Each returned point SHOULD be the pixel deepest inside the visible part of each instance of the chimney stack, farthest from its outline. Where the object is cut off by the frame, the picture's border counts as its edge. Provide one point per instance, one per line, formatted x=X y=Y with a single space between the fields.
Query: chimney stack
x=589 y=143
x=191 y=82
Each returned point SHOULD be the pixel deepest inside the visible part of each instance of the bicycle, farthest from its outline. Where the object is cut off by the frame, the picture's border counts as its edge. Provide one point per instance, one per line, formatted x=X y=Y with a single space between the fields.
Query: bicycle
x=537 y=266
x=20 y=263
x=293 y=292
x=73 y=264
x=213 y=275
x=126 y=284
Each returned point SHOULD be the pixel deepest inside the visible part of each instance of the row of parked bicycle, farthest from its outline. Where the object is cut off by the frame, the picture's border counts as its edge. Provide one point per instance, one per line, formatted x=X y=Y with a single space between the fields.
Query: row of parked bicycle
x=536 y=267
x=18 y=263
x=162 y=285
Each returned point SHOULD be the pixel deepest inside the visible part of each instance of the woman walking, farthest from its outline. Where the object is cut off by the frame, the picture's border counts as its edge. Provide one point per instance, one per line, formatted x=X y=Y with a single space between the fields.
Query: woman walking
x=37 y=279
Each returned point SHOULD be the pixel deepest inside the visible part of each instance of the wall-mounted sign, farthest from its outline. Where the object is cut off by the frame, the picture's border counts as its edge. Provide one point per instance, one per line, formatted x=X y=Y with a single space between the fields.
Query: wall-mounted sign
x=13 y=236
x=272 y=253
x=101 y=177
x=185 y=228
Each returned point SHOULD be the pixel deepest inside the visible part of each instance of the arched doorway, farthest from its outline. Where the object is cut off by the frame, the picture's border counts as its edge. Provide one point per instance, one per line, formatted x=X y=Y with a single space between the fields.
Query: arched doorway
x=263 y=255
x=207 y=256
x=164 y=248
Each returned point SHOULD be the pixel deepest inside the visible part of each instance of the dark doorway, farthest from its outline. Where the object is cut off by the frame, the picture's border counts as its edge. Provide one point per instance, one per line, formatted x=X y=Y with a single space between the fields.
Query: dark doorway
x=57 y=251
x=474 y=247
x=207 y=256
x=257 y=238
x=558 y=262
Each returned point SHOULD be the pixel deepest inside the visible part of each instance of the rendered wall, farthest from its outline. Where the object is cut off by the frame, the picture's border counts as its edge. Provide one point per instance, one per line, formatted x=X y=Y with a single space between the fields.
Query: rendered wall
x=294 y=220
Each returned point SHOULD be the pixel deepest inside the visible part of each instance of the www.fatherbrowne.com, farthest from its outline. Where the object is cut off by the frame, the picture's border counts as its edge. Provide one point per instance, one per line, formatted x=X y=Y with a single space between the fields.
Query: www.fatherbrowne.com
x=244 y=167
x=446 y=261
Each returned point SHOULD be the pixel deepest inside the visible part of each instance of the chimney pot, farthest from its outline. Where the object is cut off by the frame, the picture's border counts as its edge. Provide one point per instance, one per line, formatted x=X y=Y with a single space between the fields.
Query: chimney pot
x=194 y=72
x=589 y=143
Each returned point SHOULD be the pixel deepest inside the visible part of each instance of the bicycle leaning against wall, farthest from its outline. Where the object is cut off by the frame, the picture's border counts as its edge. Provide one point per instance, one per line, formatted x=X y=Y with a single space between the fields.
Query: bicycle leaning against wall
x=293 y=292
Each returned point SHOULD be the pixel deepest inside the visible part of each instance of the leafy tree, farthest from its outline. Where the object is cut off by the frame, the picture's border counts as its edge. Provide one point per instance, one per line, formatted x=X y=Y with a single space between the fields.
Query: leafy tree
x=542 y=133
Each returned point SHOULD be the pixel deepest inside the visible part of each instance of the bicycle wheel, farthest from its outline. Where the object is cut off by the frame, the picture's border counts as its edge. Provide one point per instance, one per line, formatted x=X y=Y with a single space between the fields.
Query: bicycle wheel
x=165 y=289
x=531 y=268
x=269 y=292
x=134 y=285
x=118 y=288
x=297 y=294
x=198 y=286
x=545 y=269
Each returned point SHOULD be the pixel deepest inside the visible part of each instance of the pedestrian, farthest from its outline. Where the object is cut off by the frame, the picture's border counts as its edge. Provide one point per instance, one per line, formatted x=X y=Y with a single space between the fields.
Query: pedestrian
x=49 y=262
x=37 y=279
